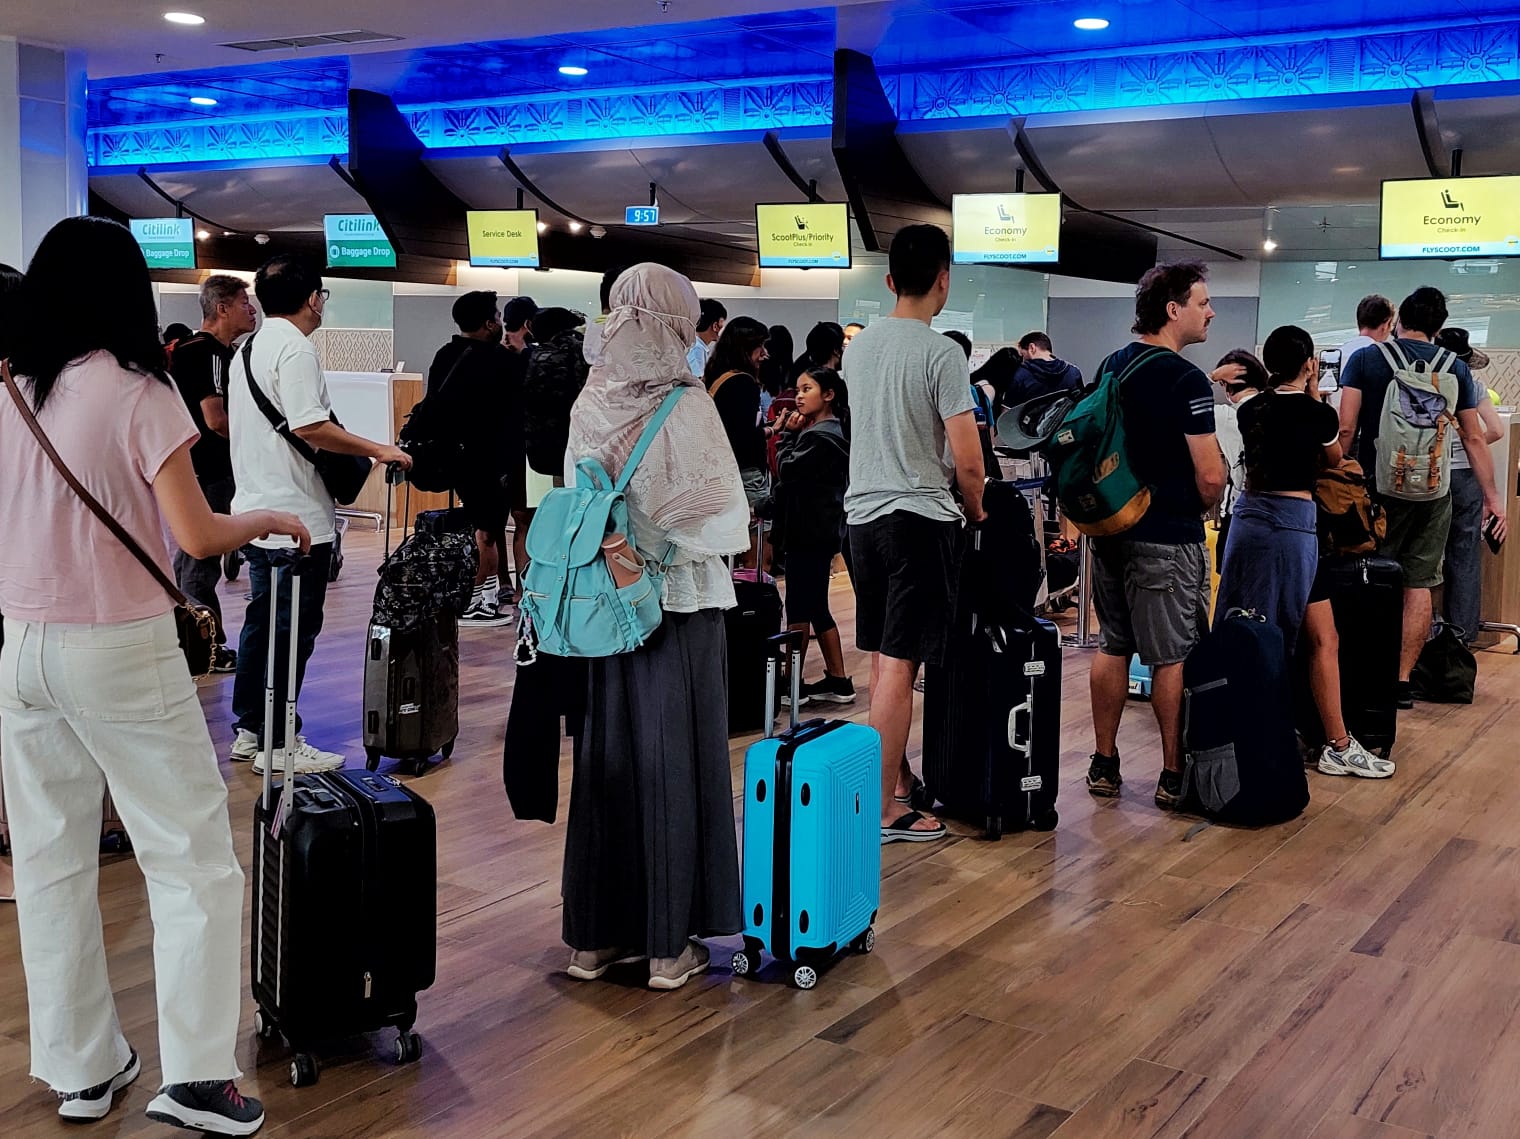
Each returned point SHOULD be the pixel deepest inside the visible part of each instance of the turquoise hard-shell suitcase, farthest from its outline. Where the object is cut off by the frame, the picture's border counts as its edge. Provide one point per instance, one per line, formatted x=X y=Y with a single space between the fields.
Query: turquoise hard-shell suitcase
x=812 y=838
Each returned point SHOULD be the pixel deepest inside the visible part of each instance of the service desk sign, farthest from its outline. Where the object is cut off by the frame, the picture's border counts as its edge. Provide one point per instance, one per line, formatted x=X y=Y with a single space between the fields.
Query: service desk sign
x=1006 y=229
x=506 y=239
x=167 y=243
x=806 y=235
x=1451 y=217
x=356 y=241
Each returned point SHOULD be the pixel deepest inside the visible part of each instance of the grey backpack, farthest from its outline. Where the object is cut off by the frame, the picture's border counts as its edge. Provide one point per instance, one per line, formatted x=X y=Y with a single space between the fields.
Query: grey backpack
x=1418 y=426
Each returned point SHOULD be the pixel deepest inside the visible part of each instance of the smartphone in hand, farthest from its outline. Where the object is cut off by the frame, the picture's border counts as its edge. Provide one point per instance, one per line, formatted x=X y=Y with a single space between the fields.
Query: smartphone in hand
x=1489 y=526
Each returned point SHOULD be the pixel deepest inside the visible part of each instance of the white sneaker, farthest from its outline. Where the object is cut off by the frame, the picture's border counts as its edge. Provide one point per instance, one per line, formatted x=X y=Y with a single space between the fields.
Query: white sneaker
x=309 y=760
x=1354 y=760
x=245 y=747
x=95 y=1103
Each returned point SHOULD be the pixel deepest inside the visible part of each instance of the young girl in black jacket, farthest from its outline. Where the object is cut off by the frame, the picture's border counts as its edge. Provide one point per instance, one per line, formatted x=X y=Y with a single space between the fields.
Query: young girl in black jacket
x=814 y=455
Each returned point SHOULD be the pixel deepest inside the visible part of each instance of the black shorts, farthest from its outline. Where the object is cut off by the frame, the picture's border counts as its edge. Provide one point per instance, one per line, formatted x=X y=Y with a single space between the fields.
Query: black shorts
x=486 y=503
x=904 y=568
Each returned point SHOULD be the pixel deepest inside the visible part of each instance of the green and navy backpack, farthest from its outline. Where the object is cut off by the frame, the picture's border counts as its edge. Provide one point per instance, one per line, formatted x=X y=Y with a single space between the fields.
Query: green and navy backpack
x=1098 y=489
x=571 y=604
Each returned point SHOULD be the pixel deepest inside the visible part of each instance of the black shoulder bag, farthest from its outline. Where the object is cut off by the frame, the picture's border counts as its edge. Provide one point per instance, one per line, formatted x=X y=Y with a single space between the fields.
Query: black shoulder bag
x=437 y=458
x=343 y=475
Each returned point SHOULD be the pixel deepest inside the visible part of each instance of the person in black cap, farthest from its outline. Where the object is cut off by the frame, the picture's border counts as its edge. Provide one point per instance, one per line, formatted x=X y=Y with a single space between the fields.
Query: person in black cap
x=1463 y=567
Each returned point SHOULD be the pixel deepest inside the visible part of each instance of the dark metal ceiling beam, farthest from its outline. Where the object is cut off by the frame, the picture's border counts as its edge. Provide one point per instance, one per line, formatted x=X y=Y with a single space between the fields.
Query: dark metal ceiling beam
x=778 y=153
x=418 y=212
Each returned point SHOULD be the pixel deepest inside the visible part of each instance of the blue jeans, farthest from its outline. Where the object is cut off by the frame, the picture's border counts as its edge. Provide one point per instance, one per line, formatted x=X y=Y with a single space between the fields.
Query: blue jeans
x=1270 y=559
x=1464 y=568
x=253 y=648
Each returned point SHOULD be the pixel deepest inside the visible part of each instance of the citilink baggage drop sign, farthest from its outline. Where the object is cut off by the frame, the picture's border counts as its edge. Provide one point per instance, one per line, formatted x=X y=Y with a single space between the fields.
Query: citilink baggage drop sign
x=356 y=241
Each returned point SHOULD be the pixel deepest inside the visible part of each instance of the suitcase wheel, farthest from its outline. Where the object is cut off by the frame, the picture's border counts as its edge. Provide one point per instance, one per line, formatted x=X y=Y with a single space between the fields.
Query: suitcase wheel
x=303 y=1070
x=116 y=842
x=994 y=830
x=745 y=963
x=264 y=1028
x=408 y=1047
x=804 y=976
x=1046 y=820
x=447 y=749
x=866 y=942
x=372 y=758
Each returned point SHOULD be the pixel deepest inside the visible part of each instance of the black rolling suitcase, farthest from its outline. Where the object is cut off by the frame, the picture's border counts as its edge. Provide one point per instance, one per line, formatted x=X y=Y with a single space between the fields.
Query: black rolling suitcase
x=1367 y=595
x=344 y=899
x=992 y=711
x=411 y=657
x=750 y=624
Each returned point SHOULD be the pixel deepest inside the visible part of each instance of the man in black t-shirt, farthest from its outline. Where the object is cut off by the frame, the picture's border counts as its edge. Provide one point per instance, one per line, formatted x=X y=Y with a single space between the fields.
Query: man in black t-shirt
x=200 y=372
x=474 y=390
x=1151 y=583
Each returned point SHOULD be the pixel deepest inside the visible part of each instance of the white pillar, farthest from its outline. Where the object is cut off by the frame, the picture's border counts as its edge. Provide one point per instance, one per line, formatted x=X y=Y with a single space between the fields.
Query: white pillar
x=44 y=172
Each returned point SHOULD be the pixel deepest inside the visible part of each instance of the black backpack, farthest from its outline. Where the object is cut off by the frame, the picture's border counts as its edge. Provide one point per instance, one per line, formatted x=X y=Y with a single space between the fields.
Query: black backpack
x=1241 y=760
x=557 y=371
x=1447 y=671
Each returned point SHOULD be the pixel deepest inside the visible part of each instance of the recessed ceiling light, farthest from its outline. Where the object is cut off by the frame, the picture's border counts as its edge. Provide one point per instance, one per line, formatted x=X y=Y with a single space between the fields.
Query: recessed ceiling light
x=1269 y=245
x=571 y=69
x=1090 y=23
x=543 y=227
x=202 y=234
x=575 y=227
x=203 y=101
x=189 y=19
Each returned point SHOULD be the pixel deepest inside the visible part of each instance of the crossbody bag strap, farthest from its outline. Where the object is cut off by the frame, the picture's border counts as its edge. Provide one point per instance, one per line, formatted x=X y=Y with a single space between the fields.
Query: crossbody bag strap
x=271 y=413
x=85 y=496
x=719 y=382
x=656 y=421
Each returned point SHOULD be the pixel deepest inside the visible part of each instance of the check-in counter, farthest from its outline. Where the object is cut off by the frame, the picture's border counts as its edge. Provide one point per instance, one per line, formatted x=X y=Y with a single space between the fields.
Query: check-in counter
x=375 y=405
x=1501 y=571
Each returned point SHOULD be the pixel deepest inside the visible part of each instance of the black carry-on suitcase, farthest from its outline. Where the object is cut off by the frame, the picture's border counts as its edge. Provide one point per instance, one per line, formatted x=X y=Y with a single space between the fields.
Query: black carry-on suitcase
x=344 y=898
x=411 y=674
x=749 y=625
x=1367 y=596
x=992 y=713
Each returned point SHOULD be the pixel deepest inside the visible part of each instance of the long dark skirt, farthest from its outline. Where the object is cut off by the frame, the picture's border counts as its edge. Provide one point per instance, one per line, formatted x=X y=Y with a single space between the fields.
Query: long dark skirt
x=650 y=853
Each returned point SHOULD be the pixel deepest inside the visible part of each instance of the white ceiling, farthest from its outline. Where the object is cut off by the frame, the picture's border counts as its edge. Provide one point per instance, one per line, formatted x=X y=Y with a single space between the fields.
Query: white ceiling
x=134 y=38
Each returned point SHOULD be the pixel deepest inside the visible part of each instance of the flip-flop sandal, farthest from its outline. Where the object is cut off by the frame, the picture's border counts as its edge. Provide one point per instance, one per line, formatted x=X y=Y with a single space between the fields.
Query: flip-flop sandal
x=915 y=796
x=902 y=830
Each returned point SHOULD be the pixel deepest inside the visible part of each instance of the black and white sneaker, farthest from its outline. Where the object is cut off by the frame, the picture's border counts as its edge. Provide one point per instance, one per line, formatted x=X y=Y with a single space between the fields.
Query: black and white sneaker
x=208 y=1105
x=223 y=660
x=831 y=690
x=93 y=1103
x=483 y=615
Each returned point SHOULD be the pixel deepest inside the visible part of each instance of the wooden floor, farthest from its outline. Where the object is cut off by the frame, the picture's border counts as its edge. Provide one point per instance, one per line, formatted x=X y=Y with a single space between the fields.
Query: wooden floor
x=1352 y=975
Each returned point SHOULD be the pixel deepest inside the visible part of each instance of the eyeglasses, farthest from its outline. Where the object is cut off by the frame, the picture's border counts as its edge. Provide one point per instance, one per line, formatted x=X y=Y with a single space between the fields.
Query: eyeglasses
x=324 y=294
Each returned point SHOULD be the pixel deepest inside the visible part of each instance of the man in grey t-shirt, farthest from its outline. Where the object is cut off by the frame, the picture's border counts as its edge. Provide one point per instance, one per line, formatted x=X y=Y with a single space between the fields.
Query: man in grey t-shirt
x=913 y=434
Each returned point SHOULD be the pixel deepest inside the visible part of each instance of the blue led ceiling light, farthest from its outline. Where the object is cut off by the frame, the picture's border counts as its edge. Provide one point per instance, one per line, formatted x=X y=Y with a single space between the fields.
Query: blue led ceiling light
x=1090 y=24
x=572 y=69
x=202 y=101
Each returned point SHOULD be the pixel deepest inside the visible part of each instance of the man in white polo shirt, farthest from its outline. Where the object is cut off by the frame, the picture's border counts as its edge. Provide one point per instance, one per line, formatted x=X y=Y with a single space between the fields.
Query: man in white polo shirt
x=272 y=474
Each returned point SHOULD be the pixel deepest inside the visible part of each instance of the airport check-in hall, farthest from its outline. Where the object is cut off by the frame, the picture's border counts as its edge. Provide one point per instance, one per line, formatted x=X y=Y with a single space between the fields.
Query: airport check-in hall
x=499 y=503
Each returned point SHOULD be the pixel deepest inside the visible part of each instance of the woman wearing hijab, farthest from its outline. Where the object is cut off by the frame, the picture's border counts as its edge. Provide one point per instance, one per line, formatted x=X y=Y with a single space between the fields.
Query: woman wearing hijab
x=651 y=861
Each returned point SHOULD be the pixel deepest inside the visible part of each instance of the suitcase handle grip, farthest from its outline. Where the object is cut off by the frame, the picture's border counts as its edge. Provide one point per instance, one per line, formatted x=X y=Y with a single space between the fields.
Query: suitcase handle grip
x=776 y=648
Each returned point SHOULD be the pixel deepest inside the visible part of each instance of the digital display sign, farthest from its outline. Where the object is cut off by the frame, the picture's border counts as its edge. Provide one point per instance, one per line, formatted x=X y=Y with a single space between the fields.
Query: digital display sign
x=167 y=243
x=505 y=239
x=1006 y=229
x=803 y=235
x=356 y=241
x=1451 y=217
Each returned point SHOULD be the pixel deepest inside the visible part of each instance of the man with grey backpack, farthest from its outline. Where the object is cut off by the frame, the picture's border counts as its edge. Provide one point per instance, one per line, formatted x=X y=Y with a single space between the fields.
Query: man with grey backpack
x=1406 y=402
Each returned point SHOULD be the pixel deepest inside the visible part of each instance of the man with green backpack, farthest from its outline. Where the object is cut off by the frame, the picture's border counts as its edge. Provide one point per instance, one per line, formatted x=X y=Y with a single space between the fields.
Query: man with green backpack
x=1407 y=401
x=1137 y=464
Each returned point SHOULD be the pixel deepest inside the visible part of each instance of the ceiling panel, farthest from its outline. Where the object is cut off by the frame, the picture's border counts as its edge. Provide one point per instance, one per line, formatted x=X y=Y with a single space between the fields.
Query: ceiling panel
x=1149 y=163
x=274 y=199
x=1487 y=129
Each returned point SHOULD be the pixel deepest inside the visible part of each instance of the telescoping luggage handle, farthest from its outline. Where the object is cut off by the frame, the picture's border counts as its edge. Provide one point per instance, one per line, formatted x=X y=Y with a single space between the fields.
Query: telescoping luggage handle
x=287 y=792
x=776 y=648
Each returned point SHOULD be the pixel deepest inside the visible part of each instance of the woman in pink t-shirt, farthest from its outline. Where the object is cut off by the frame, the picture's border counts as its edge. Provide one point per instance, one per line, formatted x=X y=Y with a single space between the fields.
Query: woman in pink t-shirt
x=95 y=693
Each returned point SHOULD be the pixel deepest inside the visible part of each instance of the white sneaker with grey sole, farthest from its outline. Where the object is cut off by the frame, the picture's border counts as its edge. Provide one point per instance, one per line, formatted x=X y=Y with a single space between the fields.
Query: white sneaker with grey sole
x=308 y=759
x=1354 y=759
x=246 y=747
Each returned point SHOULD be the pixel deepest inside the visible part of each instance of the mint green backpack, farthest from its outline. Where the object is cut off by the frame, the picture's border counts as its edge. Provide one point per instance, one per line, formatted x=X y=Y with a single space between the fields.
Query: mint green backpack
x=571 y=605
